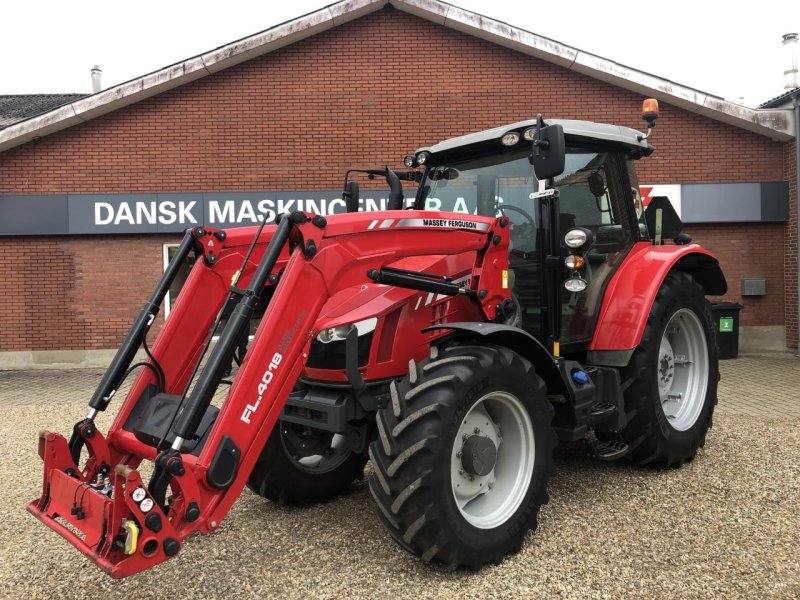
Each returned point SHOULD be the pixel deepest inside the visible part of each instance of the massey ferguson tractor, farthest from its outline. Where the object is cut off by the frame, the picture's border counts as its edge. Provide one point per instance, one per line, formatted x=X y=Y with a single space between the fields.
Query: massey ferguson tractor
x=524 y=296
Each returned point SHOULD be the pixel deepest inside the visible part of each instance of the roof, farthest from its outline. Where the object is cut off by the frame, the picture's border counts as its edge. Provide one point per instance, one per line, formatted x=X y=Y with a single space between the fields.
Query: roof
x=588 y=129
x=18 y=108
x=782 y=100
x=775 y=124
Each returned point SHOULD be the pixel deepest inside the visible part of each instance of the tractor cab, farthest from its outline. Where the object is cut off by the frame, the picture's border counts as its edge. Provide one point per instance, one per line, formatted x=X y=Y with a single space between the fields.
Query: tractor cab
x=586 y=189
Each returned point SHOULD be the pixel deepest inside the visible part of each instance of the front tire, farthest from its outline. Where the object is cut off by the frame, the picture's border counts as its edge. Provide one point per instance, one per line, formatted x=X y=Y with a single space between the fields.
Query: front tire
x=670 y=384
x=463 y=456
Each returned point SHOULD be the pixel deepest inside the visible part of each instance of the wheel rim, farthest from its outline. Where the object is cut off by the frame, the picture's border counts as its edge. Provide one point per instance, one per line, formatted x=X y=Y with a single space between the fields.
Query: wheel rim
x=682 y=369
x=489 y=500
x=313 y=450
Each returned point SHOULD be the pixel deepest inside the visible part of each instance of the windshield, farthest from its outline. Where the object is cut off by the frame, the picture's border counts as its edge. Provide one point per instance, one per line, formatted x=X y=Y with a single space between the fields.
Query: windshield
x=505 y=184
x=479 y=186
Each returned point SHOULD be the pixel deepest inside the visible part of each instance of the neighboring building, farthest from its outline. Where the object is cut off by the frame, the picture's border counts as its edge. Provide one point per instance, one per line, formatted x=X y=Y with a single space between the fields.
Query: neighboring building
x=94 y=192
x=14 y=109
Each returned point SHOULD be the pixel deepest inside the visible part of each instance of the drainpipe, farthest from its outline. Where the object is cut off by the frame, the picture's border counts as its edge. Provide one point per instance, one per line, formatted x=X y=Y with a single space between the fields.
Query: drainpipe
x=797 y=201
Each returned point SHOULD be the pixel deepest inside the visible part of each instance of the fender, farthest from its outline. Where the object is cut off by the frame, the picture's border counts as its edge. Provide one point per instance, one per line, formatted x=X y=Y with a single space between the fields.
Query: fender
x=632 y=291
x=521 y=342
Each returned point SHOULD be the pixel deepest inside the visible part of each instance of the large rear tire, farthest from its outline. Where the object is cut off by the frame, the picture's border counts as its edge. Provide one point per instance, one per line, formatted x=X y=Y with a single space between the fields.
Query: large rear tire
x=463 y=456
x=670 y=384
x=303 y=465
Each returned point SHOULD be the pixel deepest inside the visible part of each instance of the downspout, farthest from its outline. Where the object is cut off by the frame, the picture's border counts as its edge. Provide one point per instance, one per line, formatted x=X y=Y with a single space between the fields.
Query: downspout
x=797 y=203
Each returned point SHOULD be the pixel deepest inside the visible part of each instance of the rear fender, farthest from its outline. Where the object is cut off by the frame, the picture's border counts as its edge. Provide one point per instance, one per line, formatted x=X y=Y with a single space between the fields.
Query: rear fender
x=520 y=342
x=632 y=290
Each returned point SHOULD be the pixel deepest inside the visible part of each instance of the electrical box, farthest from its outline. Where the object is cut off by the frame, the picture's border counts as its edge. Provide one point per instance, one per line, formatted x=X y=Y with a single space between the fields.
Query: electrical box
x=754 y=287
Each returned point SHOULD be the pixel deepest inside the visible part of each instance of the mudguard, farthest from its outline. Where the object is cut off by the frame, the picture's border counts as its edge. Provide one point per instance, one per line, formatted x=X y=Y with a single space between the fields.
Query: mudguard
x=633 y=288
x=521 y=342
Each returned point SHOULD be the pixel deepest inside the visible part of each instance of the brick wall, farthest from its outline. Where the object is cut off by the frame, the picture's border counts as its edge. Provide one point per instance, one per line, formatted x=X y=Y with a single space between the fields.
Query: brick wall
x=296 y=119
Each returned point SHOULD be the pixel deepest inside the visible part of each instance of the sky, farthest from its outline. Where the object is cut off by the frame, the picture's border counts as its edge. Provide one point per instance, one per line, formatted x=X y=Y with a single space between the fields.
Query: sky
x=727 y=49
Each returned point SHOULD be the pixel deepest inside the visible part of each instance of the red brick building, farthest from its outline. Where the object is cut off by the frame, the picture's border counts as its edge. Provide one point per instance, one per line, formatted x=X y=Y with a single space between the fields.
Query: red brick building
x=288 y=110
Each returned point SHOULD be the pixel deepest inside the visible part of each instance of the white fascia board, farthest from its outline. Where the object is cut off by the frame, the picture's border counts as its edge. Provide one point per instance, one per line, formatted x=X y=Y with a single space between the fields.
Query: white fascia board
x=286 y=34
x=184 y=72
x=507 y=35
x=775 y=124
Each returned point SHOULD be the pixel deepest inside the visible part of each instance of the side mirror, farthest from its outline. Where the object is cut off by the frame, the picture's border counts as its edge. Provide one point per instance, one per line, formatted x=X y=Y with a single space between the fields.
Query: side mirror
x=549 y=152
x=395 y=190
x=351 y=196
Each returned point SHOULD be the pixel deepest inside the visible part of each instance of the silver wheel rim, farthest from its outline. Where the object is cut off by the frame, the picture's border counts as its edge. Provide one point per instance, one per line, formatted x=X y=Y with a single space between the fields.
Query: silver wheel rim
x=313 y=451
x=682 y=369
x=490 y=500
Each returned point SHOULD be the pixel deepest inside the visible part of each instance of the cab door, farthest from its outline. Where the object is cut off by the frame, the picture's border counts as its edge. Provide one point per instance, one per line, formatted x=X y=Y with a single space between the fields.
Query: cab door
x=595 y=193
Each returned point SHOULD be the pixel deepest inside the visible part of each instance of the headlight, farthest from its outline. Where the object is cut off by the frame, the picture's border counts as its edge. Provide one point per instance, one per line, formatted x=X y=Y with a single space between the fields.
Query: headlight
x=410 y=161
x=340 y=332
x=422 y=157
x=575 y=238
x=575 y=284
x=529 y=133
x=510 y=138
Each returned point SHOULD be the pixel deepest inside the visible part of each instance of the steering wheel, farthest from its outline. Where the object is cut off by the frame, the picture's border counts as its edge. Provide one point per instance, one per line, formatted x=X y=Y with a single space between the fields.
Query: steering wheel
x=528 y=217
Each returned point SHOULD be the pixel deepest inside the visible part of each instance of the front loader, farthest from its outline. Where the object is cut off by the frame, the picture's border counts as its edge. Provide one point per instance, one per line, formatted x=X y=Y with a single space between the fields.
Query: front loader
x=524 y=297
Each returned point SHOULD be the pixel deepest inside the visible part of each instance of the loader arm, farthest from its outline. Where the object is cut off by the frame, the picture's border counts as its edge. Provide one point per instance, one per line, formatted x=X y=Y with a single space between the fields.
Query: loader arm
x=127 y=527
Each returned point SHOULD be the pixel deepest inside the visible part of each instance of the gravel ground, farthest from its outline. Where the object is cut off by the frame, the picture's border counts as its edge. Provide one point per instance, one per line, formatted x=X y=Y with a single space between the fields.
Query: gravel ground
x=726 y=525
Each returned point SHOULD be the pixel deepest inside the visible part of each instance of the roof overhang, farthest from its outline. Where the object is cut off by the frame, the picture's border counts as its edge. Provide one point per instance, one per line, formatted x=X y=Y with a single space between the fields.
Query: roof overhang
x=775 y=124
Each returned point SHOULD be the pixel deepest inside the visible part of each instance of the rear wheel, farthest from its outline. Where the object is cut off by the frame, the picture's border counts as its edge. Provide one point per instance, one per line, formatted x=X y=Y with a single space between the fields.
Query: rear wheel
x=671 y=381
x=463 y=456
x=303 y=465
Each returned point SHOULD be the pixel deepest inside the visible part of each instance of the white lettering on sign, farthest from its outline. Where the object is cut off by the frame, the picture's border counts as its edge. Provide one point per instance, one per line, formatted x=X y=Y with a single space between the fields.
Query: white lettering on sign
x=103 y=213
x=217 y=215
x=244 y=212
x=144 y=213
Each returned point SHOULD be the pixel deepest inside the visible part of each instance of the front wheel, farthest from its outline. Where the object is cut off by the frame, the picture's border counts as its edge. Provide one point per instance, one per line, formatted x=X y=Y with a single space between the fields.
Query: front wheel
x=671 y=381
x=463 y=456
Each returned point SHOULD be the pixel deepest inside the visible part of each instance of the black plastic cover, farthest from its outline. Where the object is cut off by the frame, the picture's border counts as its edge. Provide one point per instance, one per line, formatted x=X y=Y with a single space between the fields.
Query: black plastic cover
x=154 y=416
x=224 y=465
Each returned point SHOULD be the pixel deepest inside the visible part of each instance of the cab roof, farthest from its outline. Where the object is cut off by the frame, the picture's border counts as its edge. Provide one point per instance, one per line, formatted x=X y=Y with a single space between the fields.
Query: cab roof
x=585 y=130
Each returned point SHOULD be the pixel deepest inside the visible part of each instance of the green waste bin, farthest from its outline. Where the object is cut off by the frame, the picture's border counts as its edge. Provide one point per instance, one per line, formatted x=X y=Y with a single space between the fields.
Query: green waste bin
x=726 y=322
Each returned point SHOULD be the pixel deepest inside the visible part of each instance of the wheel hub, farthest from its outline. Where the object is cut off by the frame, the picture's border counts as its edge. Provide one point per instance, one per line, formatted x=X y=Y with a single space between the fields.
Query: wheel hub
x=666 y=367
x=682 y=369
x=479 y=455
x=492 y=458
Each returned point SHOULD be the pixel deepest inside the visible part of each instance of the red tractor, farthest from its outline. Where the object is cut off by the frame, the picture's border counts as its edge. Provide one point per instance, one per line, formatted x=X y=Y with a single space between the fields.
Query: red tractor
x=525 y=296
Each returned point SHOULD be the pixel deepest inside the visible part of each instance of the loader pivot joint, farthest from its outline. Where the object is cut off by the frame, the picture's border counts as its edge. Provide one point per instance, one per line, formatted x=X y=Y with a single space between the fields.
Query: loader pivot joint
x=298 y=218
x=82 y=430
x=168 y=463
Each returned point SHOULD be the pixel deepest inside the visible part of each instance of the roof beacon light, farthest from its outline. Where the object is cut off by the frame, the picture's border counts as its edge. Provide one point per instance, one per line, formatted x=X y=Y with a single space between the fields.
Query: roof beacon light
x=649 y=116
x=650 y=111
x=510 y=138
